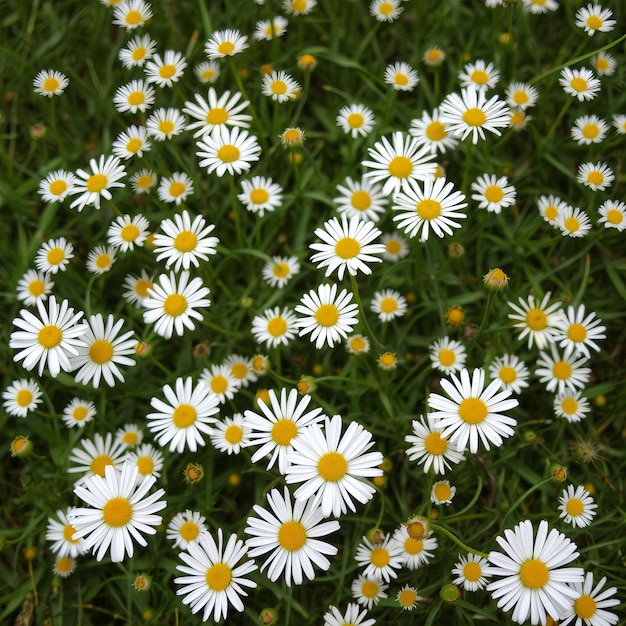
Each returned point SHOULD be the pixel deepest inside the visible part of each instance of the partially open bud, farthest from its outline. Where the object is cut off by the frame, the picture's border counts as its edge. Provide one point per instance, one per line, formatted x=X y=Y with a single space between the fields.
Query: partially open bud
x=142 y=582
x=559 y=473
x=376 y=536
x=21 y=446
x=193 y=473
x=449 y=593
x=495 y=279
x=268 y=617
x=418 y=527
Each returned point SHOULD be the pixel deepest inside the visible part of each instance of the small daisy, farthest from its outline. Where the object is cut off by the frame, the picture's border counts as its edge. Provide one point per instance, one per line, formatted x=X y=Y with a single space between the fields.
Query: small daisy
x=93 y=457
x=540 y=6
x=213 y=579
x=387 y=361
x=225 y=43
x=50 y=339
x=579 y=83
x=207 y=71
x=562 y=371
x=430 y=131
x=472 y=114
x=521 y=95
x=143 y=181
x=594 y=18
x=185 y=528
x=362 y=198
x=396 y=247
x=147 y=459
x=571 y=405
x=100 y=259
x=274 y=327
x=220 y=382
x=61 y=533
x=435 y=207
x=573 y=222
x=64 y=566
x=511 y=371
x=129 y=436
x=135 y=96
x=550 y=207
x=137 y=51
x=217 y=112
x=356 y=120
x=358 y=344
x=126 y=232
x=619 y=122
x=613 y=215
x=56 y=186
x=50 y=83
x=92 y=185
x=519 y=119
x=280 y=87
x=299 y=7
x=433 y=56
x=292 y=533
x=241 y=369
x=137 y=288
x=34 y=286
x=479 y=76
x=165 y=71
x=442 y=492
x=589 y=129
x=577 y=506
x=604 y=64
x=78 y=413
x=352 y=617
x=493 y=193
x=589 y=604
x=430 y=448
x=261 y=194
x=332 y=466
x=398 y=160
x=380 y=560
x=172 y=303
x=280 y=270
x=228 y=151
x=598 y=176
x=386 y=10
x=231 y=435
x=165 y=123
x=131 y=14
x=414 y=552
x=21 y=397
x=388 y=304
x=121 y=510
x=131 y=142
x=580 y=332
x=538 y=320
x=472 y=413
x=368 y=591
x=268 y=29
x=188 y=414
x=447 y=355
x=471 y=572
x=327 y=315
x=407 y=597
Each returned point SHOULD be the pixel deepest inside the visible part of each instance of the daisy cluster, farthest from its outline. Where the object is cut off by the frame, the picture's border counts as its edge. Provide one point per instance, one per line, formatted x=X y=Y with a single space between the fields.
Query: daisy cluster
x=260 y=348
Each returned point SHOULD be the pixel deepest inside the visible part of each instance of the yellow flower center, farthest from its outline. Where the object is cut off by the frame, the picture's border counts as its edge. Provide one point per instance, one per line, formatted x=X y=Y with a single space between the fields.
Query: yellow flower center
x=57 y=187
x=51 y=84
x=332 y=467
x=166 y=126
x=386 y=8
x=578 y=84
x=226 y=47
x=472 y=571
x=474 y=117
x=79 y=413
x=50 y=336
x=36 y=287
x=189 y=531
x=594 y=22
x=517 y=118
x=142 y=286
x=167 y=71
x=98 y=464
x=613 y=216
x=101 y=351
x=218 y=576
x=442 y=492
x=536 y=319
x=388 y=305
x=357 y=344
x=259 y=196
x=218 y=384
x=428 y=209
x=575 y=507
x=278 y=87
x=401 y=79
x=292 y=536
x=347 y=248
x=281 y=270
x=393 y=246
x=480 y=77
x=387 y=359
x=68 y=534
x=447 y=357
x=96 y=183
x=551 y=212
x=434 y=55
x=177 y=189
x=407 y=598
x=55 y=256
x=228 y=153
x=436 y=131
x=277 y=327
x=494 y=193
x=369 y=589
x=473 y=411
x=145 y=181
x=175 y=305
x=507 y=374
x=520 y=97
x=591 y=131
x=239 y=370
x=134 y=145
x=185 y=241
x=130 y=232
x=184 y=415
x=135 y=98
x=435 y=444
x=379 y=557
x=534 y=574
x=133 y=18
x=138 y=53
x=355 y=120
x=361 y=200
x=103 y=261
x=284 y=431
x=64 y=564
x=327 y=315
x=217 y=116
x=233 y=434
x=562 y=370
x=400 y=167
x=299 y=5
x=145 y=465
x=602 y=64
x=24 y=397
x=569 y=406
x=130 y=438
x=595 y=178
x=577 y=333
x=413 y=546
x=585 y=607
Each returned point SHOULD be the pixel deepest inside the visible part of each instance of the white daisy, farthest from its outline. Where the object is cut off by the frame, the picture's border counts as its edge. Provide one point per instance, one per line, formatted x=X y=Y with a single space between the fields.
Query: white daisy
x=380 y=560
x=479 y=75
x=137 y=51
x=396 y=247
x=511 y=371
x=131 y=142
x=388 y=304
x=33 y=286
x=165 y=71
x=589 y=129
x=401 y=76
x=299 y=7
x=571 y=405
x=228 y=151
x=56 y=186
x=147 y=459
x=407 y=597
x=105 y=174
x=580 y=332
x=268 y=29
x=21 y=397
x=493 y=193
x=589 y=604
x=64 y=566
x=358 y=344
x=207 y=71
x=241 y=369
x=598 y=176
x=100 y=259
x=220 y=382
x=126 y=232
x=386 y=10
x=137 y=288
x=135 y=96
x=274 y=327
x=540 y=6
x=433 y=56
x=280 y=270
x=61 y=533
x=78 y=413
x=280 y=86
x=143 y=181
x=580 y=83
x=261 y=194
x=562 y=371
x=447 y=355
x=131 y=14
x=361 y=198
x=550 y=207
x=604 y=64
x=129 y=435
x=223 y=43
x=612 y=214
x=577 y=507
x=471 y=572
x=165 y=123
x=356 y=120
x=175 y=189
x=50 y=83
x=442 y=492
x=93 y=457
x=521 y=95
x=368 y=591
x=414 y=552
x=231 y=435
x=430 y=131
x=538 y=320
x=352 y=617
x=593 y=18
x=185 y=528
x=217 y=112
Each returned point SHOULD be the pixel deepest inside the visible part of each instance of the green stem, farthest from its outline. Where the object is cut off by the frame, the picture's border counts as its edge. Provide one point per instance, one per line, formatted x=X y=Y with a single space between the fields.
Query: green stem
x=357 y=299
x=525 y=495
x=235 y=205
x=451 y=535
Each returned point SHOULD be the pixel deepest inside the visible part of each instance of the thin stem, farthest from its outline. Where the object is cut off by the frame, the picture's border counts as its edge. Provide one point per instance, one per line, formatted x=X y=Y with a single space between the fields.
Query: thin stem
x=357 y=299
x=451 y=535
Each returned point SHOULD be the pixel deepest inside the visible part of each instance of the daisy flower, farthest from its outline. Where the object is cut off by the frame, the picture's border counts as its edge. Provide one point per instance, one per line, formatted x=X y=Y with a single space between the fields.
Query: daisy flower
x=589 y=604
x=540 y=6
x=228 y=150
x=129 y=435
x=274 y=327
x=386 y=10
x=213 y=579
x=56 y=186
x=388 y=304
x=280 y=270
x=562 y=371
x=261 y=194
x=571 y=405
x=165 y=123
x=346 y=246
x=493 y=193
x=361 y=198
x=550 y=207
x=60 y=532
x=479 y=75
x=126 y=232
x=216 y=112
x=597 y=177
x=407 y=598
x=326 y=315
x=434 y=207
x=433 y=56
x=519 y=119
x=268 y=29
x=613 y=215
x=396 y=247
x=187 y=413
x=172 y=303
x=380 y=560
x=352 y=617
x=472 y=413
x=33 y=286
x=398 y=160
x=137 y=288
x=299 y=7
x=220 y=382
x=78 y=413
x=580 y=83
x=356 y=120
x=281 y=421
x=207 y=71
x=147 y=459
x=580 y=332
x=368 y=591
x=64 y=566
x=225 y=43
x=521 y=95
x=589 y=129
x=100 y=259
x=102 y=349
x=241 y=369
x=291 y=532
x=185 y=528
x=137 y=51
x=594 y=18
x=332 y=466
x=442 y=492
x=280 y=87
x=131 y=14
x=430 y=448
x=175 y=189
x=471 y=572
x=50 y=83
x=231 y=435
x=93 y=457
x=401 y=76
x=531 y=578
x=165 y=71
x=92 y=185
x=131 y=142
x=414 y=552
x=143 y=181
x=358 y=344
x=50 y=339
x=472 y=114
x=447 y=355
x=537 y=320
x=604 y=64
x=121 y=510
x=577 y=506
x=21 y=397
x=511 y=371
x=430 y=131
x=134 y=96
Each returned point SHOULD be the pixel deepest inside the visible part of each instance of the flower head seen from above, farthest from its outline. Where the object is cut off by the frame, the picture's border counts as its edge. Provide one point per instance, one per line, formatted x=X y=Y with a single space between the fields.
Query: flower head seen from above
x=143 y=181
x=261 y=194
x=165 y=71
x=186 y=527
x=538 y=320
x=228 y=151
x=137 y=287
x=175 y=189
x=401 y=76
x=386 y=10
x=93 y=457
x=353 y=616
x=589 y=129
x=21 y=397
x=580 y=84
x=396 y=247
x=447 y=355
x=126 y=232
x=368 y=591
x=588 y=607
x=61 y=533
x=511 y=371
x=577 y=507
x=356 y=120
x=50 y=83
x=132 y=142
x=100 y=259
x=299 y=7
x=93 y=185
x=225 y=110
x=207 y=71
x=612 y=215
x=280 y=86
x=280 y=270
x=571 y=405
x=135 y=96
x=129 y=435
x=225 y=43
x=521 y=96
x=241 y=369
x=430 y=131
x=165 y=123
x=131 y=14
x=268 y=29
x=34 y=286
x=358 y=344
x=56 y=186
x=78 y=413
x=604 y=64
x=220 y=382
x=442 y=492
x=275 y=327
x=593 y=18
x=597 y=177
x=388 y=304
x=550 y=207
x=231 y=435
x=493 y=193
x=147 y=459
x=414 y=552
x=561 y=371
x=579 y=330
x=137 y=51
x=471 y=572
x=479 y=75
x=361 y=198
x=380 y=560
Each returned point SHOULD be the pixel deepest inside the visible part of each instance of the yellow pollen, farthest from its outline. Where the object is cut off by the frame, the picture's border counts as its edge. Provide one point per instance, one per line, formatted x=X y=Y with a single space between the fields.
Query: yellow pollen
x=36 y=287
x=259 y=196
x=386 y=8
x=217 y=116
x=355 y=120
x=79 y=413
x=277 y=327
x=99 y=463
x=480 y=77
x=428 y=209
x=473 y=411
x=400 y=167
x=144 y=181
x=494 y=193
x=167 y=71
x=185 y=241
x=166 y=126
x=379 y=557
x=226 y=47
x=292 y=536
x=442 y=492
x=361 y=200
x=293 y=136
x=64 y=564
x=562 y=370
x=133 y=18
x=57 y=187
x=357 y=344
x=613 y=216
x=50 y=336
x=551 y=212
x=299 y=5
x=327 y=315
x=68 y=534
x=569 y=406
x=577 y=333
x=472 y=571
x=474 y=117
x=142 y=286
x=332 y=467
x=534 y=574
x=138 y=53
x=130 y=438
x=51 y=84
x=575 y=507
x=284 y=431
x=96 y=183
x=595 y=178
x=388 y=305
x=387 y=359
x=175 y=305
x=594 y=22
x=585 y=607
x=278 y=87
x=135 y=98
x=536 y=319
x=572 y=224
x=517 y=118
x=591 y=131
x=520 y=97
x=413 y=546
x=407 y=597
x=103 y=261
x=228 y=153
x=233 y=434
x=189 y=531
x=435 y=444
x=281 y=270
x=578 y=84
x=130 y=232
x=507 y=374
x=184 y=415
x=101 y=351
x=369 y=589
x=218 y=384
x=24 y=397
x=239 y=370
x=602 y=64
x=436 y=131
x=447 y=357
x=134 y=145
x=145 y=465
x=347 y=248
x=434 y=55
x=401 y=79
x=393 y=246
x=218 y=576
